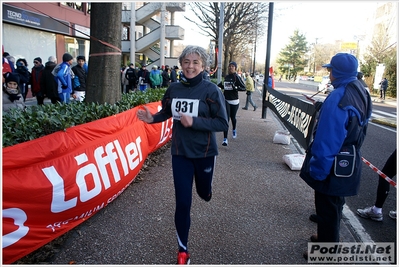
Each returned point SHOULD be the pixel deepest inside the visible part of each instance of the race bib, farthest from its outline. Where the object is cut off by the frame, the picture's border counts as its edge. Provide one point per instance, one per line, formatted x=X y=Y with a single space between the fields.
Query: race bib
x=228 y=86
x=183 y=105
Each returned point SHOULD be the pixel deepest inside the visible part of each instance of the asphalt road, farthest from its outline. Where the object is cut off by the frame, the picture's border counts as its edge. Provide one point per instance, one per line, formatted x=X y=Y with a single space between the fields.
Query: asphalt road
x=258 y=214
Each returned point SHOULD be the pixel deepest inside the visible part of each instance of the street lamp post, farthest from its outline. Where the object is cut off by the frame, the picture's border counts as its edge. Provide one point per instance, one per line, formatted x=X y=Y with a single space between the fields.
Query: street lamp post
x=314 y=58
x=253 y=66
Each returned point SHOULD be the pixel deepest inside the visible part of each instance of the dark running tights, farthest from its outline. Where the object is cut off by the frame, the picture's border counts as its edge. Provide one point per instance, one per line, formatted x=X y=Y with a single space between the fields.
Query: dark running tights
x=231 y=111
x=389 y=170
x=184 y=170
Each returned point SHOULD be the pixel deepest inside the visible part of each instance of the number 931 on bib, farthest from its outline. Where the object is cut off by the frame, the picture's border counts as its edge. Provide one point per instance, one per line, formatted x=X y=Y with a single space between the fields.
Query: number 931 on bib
x=183 y=105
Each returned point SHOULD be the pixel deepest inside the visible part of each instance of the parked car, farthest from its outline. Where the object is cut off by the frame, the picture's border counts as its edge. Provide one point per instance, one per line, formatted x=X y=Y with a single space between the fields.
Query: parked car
x=311 y=78
x=325 y=85
x=259 y=78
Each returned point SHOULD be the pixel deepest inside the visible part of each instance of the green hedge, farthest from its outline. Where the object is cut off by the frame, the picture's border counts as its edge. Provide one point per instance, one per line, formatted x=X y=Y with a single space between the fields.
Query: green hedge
x=37 y=121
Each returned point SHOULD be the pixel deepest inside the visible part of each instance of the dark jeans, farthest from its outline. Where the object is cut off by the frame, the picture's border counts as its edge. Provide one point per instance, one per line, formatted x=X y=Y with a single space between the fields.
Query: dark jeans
x=40 y=100
x=389 y=170
x=329 y=214
x=382 y=93
x=55 y=100
x=131 y=86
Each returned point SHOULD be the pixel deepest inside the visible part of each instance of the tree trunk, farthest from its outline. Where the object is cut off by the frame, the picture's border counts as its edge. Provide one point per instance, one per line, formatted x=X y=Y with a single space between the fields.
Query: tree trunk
x=104 y=77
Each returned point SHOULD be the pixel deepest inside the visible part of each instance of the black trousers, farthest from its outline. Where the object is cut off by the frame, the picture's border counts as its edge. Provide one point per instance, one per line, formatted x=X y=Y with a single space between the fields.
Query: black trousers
x=389 y=170
x=329 y=214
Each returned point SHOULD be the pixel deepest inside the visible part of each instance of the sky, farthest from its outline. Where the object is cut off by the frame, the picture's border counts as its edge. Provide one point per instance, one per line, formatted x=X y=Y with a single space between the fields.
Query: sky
x=325 y=20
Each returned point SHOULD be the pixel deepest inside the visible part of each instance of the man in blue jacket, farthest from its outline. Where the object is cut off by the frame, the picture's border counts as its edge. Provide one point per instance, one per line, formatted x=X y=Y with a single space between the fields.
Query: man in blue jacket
x=64 y=78
x=332 y=166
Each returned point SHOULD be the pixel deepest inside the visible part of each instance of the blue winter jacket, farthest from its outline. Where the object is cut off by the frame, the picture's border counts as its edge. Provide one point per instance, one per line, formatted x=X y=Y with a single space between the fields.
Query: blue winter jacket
x=343 y=121
x=64 y=78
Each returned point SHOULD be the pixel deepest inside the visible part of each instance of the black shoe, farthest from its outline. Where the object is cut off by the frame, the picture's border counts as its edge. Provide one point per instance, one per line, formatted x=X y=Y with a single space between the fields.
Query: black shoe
x=255 y=108
x=313 y=238
x=313 y=218
x=245 y=108
x=208 y=197
x=305 y=255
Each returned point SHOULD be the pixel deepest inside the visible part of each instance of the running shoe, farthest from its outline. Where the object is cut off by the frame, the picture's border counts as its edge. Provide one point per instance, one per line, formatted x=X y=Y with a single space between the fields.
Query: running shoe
x=225 y=142
x=234 y=133
x=369 y=213
x=392 y=214
x=183 y=258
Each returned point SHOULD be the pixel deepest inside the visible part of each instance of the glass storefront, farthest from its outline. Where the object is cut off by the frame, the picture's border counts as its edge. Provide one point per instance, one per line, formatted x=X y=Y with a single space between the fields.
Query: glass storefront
x=77 y=47
x=28 y=43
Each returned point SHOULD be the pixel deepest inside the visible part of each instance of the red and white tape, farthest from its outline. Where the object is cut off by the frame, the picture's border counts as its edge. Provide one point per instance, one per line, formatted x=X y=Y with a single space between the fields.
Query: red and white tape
x=383 y=175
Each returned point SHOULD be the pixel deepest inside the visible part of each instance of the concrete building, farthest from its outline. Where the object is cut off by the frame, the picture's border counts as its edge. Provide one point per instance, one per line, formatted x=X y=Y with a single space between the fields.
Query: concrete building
x=34 y=29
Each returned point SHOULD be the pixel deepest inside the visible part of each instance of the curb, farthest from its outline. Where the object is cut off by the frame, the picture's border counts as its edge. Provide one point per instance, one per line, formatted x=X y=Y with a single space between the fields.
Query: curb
x=385 y=121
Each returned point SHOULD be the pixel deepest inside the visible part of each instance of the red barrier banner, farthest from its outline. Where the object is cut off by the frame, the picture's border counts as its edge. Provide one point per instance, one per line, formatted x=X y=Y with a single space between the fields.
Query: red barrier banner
x=54 y=183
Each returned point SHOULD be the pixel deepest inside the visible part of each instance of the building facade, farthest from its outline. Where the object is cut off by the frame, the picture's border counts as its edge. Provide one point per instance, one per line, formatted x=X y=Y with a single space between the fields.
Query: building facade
x=31 y=30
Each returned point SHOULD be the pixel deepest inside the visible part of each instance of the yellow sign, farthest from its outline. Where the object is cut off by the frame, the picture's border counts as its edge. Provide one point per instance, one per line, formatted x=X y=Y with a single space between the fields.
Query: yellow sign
x=348 y=46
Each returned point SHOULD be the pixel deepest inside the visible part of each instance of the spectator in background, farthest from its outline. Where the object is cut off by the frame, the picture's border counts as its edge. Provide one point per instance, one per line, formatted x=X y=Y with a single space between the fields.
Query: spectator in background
x=79 y=81
x=124 y=81
x=249 y=85
x=165 y=76
x=207 y=76
x=360 y=78
x=155 y=77
x=12 y=97
x=24 y=76
x=64 y=78
x=173 y=74
x=131 y=76
x=144 y=76
x=6 y=68
x=35 y=80
x=52 y=59
x=48 y=82
x=11 y=61
x=383 y=88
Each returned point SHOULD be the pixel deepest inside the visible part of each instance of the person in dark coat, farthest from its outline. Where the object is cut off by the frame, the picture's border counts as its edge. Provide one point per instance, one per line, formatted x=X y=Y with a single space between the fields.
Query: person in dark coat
x=24 y=76
x=35 y=80
x=144 y=75
x=79 y=81
x=131 y=76
x=165 y=77
x=173 y=74
x=383 y=88
x=48 y=83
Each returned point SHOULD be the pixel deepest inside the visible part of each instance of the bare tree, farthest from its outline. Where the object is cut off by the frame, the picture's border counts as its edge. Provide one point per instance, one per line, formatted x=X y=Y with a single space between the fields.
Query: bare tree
x=105 y=53
x=241 y=22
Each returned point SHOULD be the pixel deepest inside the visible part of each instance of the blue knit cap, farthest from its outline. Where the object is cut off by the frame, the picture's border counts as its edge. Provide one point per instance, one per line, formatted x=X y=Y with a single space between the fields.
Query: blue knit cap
x=233 y=63
x=343 y=65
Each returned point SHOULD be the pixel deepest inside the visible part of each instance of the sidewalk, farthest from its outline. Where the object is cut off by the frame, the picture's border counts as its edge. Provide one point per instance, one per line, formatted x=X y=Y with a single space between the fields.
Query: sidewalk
x=392 y=122
x=258 y=214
